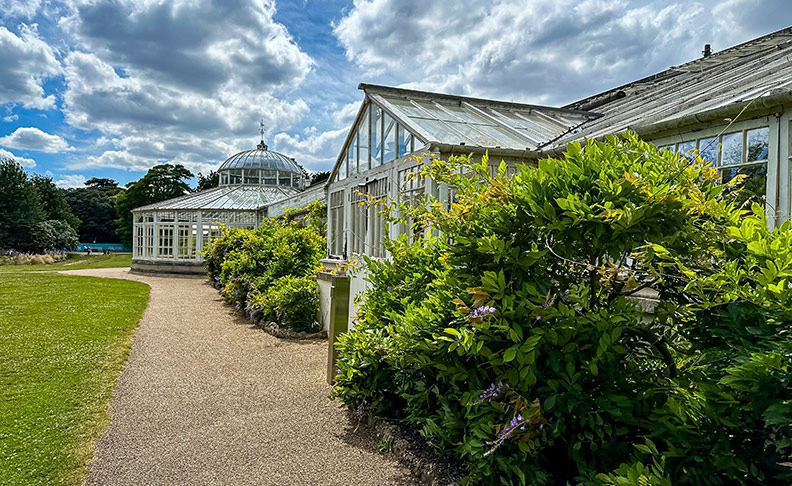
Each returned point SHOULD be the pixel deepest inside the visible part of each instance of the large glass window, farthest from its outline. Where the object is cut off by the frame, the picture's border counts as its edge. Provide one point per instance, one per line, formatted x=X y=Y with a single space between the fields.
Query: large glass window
x=378 y=190
x=738 y=153
x=185 y=249
x=358 y=221
x=235 y=176
x=148 y=241
x=388 y=138
x=363 y=143
x=352 y=160
x=411 y=190
x=165 y=241
x=376 y=136
x=270 y=177
x=342 y=169
x=336 y=242
x=404 y=145
x=139 y=242
x=251 y=176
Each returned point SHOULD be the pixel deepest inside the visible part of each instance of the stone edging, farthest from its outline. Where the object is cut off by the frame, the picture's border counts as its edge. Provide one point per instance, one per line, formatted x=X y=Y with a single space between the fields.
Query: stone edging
x=412 y=451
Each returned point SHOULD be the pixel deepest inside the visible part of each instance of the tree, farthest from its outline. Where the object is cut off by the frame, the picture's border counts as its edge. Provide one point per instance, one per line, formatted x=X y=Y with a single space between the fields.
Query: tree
x=209 y=181
x=20 y=207
x=317 y=177
x=161 y=182
x=53 y=201
x=96 y=182
x=94 y=205
x=54 y=235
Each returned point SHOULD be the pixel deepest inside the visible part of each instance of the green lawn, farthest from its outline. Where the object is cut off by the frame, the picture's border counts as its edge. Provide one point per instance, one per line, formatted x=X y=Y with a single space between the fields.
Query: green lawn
x=74 y=263
x=63 y=342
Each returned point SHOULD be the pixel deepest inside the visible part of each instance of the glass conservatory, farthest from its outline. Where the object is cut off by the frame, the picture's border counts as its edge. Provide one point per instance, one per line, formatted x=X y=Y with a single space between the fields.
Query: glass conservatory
x=168 y=236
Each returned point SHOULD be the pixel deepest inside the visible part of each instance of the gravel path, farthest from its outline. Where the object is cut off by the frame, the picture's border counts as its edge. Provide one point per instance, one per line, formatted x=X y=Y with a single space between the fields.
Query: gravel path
x=207 y=399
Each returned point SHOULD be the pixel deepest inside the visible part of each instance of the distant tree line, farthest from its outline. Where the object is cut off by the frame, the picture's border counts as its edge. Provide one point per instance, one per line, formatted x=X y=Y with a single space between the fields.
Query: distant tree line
x=36 y=215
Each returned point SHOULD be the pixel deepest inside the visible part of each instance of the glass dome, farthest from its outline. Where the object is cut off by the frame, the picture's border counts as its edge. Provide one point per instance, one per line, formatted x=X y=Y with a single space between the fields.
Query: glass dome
x=261 y=167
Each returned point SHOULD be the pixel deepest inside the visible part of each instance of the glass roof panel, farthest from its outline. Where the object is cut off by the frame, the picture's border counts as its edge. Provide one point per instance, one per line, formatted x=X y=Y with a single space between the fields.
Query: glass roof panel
x=453 y=120
x=436 y=112
x=407 y=107
x=467 y=115
x=504 y=138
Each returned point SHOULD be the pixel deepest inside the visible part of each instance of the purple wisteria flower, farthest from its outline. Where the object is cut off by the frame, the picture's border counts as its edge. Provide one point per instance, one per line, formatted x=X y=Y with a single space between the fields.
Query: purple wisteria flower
x=360 y=410
x=516 y=421
x=278 y=313
x=494 y=391
x=482 y=311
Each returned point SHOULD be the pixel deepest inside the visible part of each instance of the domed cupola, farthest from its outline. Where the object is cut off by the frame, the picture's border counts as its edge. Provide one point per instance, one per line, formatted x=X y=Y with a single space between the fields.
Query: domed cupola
x=262 y=167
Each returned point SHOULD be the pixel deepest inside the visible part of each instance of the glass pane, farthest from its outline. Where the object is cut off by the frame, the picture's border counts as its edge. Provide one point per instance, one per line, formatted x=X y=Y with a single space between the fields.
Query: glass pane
x=389 y=139
x=684 y=147
x=352 y=156
x=757 y=144
x=269 y=177
x=251 y=176
x=732 y=151
x=363 y=142
x=467 y=116
x=342 y=169
x=235 y=176
x=376 y=135
x=404 y=140
x=437 y=112
x=437 y=129
x=754 y=187
x=708 y=150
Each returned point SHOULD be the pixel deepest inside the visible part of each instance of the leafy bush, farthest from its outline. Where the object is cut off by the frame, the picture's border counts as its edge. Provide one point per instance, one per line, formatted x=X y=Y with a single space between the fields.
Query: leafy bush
x=276 y=261
x=515 y=339
x=54 y=234
x=291 y=302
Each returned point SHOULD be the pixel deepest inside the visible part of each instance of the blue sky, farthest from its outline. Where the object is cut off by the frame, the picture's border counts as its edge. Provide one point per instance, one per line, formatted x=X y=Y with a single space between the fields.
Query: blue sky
x=109 y=88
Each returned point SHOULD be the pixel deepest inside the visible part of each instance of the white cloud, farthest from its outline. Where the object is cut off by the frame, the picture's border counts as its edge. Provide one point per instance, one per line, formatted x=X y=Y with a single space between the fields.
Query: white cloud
x=314 y=148
x=24 y=9
x=180 y=82
x=5 y=154
x=71 y=180
x=10 y=118
x=31 y=138
x=27 y=61
x=540 y=51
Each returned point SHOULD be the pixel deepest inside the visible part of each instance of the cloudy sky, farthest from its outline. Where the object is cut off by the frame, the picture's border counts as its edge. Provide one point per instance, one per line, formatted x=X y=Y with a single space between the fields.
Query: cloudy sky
x=109 y=88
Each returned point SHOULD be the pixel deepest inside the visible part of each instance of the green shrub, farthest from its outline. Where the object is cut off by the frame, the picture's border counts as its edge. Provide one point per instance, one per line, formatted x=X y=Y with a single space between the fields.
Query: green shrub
x=277 y=261
x=54 y=235
x=514 y=339
x=291 y=302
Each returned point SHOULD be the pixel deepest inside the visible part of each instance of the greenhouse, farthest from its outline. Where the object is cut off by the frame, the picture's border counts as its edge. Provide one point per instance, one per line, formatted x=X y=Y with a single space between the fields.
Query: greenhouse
x=169 y=236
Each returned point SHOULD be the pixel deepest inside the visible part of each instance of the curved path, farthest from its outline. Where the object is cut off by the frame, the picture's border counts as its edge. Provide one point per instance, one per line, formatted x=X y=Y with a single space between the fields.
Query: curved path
x=205 y=398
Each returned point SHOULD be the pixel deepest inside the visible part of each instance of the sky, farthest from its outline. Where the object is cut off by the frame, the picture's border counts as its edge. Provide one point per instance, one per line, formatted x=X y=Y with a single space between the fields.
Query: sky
x=110 y=88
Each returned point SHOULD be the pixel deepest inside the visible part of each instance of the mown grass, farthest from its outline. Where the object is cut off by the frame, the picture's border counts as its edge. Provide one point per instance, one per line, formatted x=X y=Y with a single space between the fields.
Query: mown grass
x=76 y=262
x=63 y=342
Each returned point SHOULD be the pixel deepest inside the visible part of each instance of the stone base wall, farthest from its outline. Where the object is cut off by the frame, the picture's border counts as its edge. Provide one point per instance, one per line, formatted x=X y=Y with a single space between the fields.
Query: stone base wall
x=179 y=268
